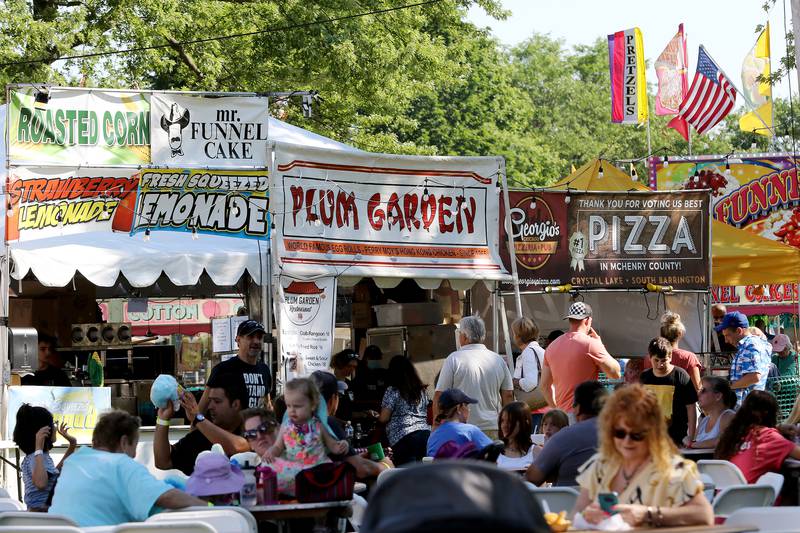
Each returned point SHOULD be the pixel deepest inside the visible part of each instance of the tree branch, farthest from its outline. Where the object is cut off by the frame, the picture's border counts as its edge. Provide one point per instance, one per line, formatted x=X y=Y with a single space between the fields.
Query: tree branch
x=187 y=59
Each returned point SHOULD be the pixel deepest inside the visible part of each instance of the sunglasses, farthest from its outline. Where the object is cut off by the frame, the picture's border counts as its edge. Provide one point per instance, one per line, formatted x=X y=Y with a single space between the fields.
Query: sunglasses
x=263 y=429
x=635 y=436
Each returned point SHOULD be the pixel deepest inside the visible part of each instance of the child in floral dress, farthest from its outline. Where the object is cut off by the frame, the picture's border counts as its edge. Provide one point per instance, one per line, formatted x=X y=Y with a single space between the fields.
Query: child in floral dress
x=303 y=440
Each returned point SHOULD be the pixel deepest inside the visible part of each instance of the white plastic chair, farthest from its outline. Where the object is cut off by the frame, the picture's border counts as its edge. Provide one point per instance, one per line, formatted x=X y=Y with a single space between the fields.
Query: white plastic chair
x=774 y=519
x=183 y=526
x=773 y=480
x=24 y=518
x=386 y=474
x=4 y=493
x=709 y=489
x=732 y=498
x=39 y=529
x=723 y=473
x=554 y=499
x=10 y=504
x=222 y=519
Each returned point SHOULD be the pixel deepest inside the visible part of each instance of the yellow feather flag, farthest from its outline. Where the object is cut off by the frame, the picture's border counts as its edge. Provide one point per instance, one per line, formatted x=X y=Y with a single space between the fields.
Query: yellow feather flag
x=757 y=94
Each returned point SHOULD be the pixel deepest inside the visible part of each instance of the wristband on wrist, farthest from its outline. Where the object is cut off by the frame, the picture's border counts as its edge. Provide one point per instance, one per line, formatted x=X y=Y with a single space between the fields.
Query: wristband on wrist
x=38 y=452
x=386 y=464
x=162 y=422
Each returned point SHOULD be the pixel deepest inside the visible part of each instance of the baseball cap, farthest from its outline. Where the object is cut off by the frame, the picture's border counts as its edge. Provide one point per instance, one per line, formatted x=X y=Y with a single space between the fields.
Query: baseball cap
x=452 y=397
x=327 y=384
x=734 y=319
x=213 y=475
x=579 y=311
x=780 y=342
x=248 y=327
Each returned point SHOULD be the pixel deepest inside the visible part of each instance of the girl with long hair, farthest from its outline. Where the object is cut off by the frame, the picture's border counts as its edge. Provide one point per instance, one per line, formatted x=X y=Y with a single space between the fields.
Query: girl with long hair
x=673 y=330
x=638 y=461
x=751 y=441
x=404 y=410
x=514 y=429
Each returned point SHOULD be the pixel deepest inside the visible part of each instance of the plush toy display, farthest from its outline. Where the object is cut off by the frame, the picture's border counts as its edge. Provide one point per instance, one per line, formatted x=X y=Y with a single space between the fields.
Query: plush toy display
x=165 y=389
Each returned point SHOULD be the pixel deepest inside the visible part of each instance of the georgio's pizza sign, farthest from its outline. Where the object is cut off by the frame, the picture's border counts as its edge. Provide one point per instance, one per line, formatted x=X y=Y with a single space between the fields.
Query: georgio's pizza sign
x=611 y=240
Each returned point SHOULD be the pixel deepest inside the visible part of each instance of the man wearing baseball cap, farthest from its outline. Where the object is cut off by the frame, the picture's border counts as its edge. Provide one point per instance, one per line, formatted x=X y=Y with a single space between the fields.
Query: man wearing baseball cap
x=573 y=358
x=454 y=407
x=247 y=363
x=750 y=364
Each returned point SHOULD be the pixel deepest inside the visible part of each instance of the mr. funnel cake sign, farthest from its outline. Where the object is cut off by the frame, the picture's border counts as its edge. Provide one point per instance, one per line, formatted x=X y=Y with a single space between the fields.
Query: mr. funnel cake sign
x=375 y=214
x=222 y=202
x=47 y=202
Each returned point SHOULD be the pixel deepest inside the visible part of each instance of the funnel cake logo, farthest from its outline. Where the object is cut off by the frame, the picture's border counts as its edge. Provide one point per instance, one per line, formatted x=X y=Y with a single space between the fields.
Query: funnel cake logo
x=303 y=301
x=536 y=232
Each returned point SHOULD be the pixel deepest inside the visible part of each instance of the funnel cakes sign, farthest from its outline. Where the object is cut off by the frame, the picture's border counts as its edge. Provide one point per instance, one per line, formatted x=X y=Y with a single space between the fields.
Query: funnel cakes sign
x=306 y=324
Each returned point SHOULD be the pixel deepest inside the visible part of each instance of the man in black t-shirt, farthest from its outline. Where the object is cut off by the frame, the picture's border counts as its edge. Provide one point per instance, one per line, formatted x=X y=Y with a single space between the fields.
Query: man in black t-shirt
x=47 y=374
x=256 y=375
x=223 y=425
x=674 y=390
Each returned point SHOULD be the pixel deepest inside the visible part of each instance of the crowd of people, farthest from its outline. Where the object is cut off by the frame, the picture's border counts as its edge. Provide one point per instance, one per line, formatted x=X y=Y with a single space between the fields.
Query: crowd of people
x=558 y=424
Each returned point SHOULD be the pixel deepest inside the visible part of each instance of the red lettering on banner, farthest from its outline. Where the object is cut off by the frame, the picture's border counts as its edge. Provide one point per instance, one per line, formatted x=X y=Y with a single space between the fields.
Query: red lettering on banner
x=375 y=216
x=42 y=190
x=428 y=212
x=410 y=205
x=326 y=214
x=345 y=204
x=444 y=211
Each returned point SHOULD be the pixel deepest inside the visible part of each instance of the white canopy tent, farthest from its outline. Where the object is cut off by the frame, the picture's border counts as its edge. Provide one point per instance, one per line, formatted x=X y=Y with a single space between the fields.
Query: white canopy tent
x=101 y=257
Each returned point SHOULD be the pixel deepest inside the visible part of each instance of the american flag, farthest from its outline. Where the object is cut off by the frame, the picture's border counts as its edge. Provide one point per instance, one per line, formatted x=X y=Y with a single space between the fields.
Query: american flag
x=710 y=98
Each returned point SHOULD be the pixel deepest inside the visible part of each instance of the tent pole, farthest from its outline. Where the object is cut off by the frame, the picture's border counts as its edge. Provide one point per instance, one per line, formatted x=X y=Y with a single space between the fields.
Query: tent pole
x=495 y=311
x=506 y=337
x=510 y=241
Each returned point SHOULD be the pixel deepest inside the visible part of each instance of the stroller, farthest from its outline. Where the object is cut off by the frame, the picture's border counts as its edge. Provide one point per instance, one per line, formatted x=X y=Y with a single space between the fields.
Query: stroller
x=462 y=496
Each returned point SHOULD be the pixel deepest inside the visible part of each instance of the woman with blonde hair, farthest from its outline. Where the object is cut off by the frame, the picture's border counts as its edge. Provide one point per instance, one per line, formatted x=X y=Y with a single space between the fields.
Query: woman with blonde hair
x=638 y=461
x=673 y=330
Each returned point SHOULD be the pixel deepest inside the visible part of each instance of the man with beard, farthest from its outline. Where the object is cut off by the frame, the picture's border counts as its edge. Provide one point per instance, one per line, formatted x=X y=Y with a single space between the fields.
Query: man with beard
x=221 y=425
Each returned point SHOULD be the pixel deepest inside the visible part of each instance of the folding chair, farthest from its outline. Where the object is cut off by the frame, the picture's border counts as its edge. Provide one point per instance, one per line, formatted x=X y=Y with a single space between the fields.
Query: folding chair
x=386 y=474
x=10 y=504
x=555 y=499
x=775 y=519
x=723 y=473
x=23 y=518
x=4 y=493
x=773 y=480
x=222 y=519
x=732 y=498
x=39 y=529
x=185 y=526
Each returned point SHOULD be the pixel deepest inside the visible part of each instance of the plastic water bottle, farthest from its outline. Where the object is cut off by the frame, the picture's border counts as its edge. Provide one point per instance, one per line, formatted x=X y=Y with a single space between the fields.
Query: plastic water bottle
x=248 y=496
x=348 y=432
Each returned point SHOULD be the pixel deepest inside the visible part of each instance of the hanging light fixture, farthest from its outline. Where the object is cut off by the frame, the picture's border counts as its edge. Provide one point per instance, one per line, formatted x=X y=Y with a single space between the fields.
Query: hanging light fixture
x=533 y=202
x=666 y=160
x=567 y=198
x=195 y=235
x=600 y=172
x=727 y=168
x=147 y=235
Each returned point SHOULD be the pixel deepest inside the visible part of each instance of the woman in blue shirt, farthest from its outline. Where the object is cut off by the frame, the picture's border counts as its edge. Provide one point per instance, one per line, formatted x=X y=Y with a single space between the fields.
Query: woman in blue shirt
x=453 y=415
x=103 y=485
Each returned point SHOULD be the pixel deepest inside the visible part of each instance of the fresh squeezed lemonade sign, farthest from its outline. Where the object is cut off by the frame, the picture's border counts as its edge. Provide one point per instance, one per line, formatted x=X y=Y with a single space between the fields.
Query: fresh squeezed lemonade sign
x=78 y=127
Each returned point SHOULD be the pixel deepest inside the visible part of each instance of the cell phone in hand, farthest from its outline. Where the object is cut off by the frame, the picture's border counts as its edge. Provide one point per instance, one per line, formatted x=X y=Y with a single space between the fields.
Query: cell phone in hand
x=607 y=501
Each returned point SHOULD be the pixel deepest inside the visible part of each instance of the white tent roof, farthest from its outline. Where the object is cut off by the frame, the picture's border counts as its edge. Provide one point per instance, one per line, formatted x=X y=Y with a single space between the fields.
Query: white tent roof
x=102 y=257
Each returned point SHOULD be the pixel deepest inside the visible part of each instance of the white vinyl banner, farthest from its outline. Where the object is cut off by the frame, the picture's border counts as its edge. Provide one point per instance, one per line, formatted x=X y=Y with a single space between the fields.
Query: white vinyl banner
x=306 y=324
x=380 y=215
x=201 y=131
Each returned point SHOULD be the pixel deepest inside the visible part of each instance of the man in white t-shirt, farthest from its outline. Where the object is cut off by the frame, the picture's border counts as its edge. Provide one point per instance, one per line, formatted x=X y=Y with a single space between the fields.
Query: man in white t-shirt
x=480 y=373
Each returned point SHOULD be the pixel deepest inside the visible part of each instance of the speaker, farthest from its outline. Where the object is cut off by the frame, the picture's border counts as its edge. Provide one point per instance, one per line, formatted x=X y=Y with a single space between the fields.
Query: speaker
x=86 y=334
x=115 y=333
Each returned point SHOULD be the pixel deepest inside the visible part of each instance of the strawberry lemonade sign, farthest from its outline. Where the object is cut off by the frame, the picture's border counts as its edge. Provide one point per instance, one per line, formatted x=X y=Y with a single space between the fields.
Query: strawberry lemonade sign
x=385 y=215
x=306 y=324
x=48 y=202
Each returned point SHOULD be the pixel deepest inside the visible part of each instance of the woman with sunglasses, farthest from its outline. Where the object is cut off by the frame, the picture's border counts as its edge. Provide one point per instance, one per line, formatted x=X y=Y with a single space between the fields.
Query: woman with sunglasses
x=260 y=429
x=638 y=462
x=751 y=441
x=717 y=400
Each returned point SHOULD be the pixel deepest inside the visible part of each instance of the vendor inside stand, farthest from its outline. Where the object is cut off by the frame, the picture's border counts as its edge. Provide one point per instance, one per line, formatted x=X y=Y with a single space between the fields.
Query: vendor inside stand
x=49 y=373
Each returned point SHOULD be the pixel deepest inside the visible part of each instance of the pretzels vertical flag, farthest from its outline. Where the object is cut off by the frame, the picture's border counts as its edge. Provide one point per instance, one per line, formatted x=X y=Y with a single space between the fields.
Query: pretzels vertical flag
x=628 y=85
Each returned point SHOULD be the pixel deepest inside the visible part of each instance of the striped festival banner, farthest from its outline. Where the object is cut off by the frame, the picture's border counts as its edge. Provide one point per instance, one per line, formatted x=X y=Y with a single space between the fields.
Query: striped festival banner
x=627 y=70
